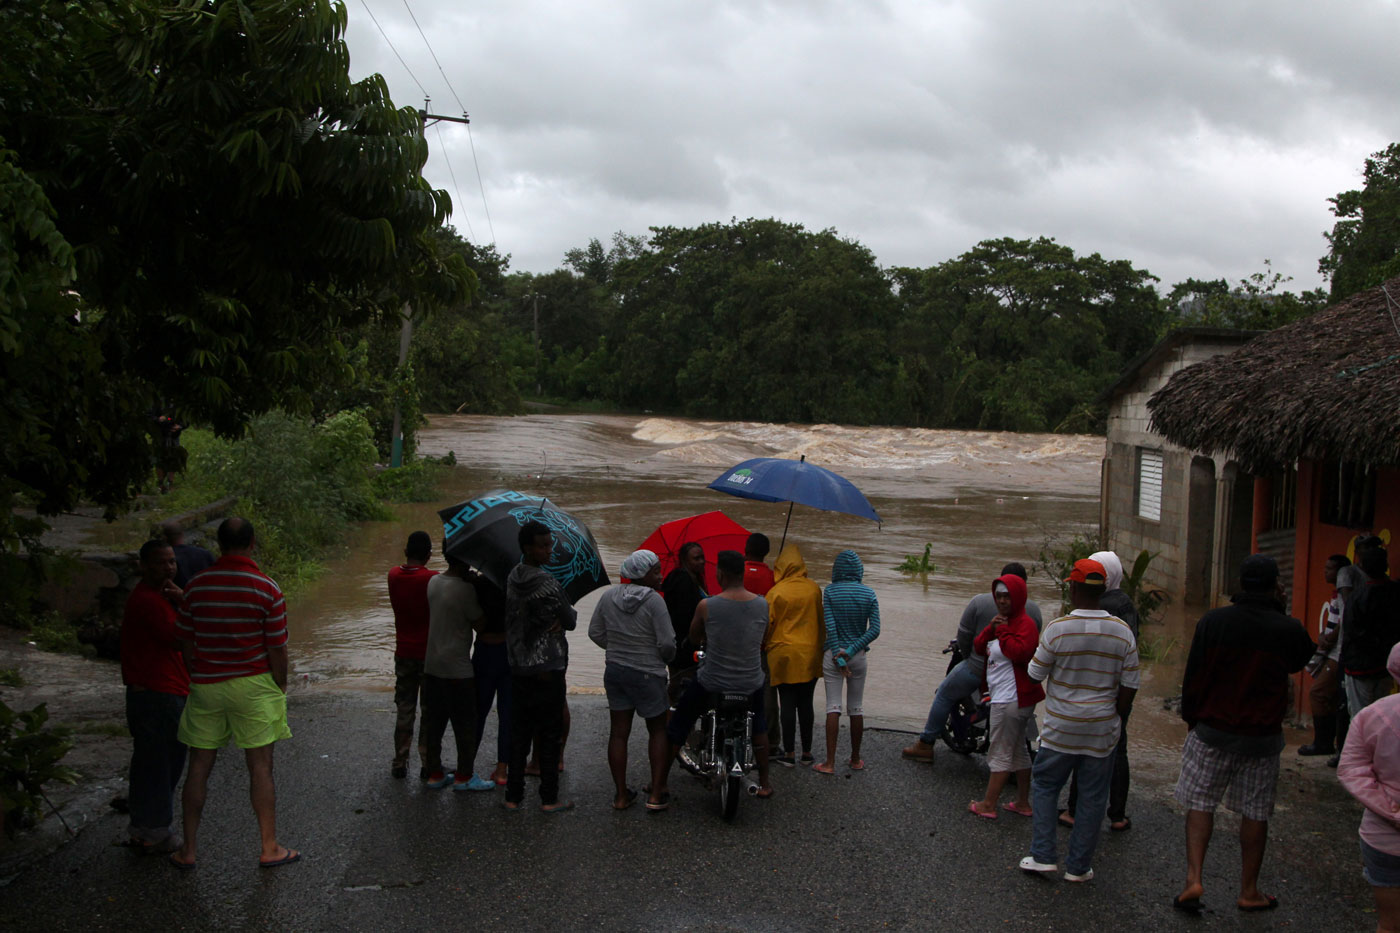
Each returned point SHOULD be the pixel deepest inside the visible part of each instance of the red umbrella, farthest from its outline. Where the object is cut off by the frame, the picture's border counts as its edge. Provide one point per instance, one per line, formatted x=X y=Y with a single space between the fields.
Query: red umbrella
x=713 y=531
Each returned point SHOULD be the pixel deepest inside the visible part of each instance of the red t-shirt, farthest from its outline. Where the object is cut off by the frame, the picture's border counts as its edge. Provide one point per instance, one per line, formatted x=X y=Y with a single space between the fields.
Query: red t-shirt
x=233 y=613
x=150 y=653
x=408 y=594
x=758 y=577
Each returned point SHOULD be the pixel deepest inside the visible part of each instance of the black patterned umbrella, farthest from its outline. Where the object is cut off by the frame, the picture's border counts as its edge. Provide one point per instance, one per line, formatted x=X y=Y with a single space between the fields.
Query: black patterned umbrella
x=484 y=532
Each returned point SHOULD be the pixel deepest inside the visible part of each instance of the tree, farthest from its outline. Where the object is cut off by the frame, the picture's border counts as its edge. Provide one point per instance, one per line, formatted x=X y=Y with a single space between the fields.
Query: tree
x=1020 y=335
x=203 y=203
x=1364 y=244
x=1256 y=303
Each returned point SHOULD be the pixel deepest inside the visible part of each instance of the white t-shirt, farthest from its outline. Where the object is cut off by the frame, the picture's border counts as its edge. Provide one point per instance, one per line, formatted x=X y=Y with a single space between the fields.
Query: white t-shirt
x=1001 y=676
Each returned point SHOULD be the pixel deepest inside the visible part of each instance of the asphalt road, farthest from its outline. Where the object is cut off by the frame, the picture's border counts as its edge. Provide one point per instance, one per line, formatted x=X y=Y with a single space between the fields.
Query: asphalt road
x=891 y=847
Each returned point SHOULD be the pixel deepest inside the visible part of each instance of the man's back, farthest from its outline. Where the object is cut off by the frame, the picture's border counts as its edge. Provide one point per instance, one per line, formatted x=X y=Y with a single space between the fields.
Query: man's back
x=408 y=596
x=734 y=631
x=1236 y=676
x=1084 y=658
x=232 y=613
x=1370 y=626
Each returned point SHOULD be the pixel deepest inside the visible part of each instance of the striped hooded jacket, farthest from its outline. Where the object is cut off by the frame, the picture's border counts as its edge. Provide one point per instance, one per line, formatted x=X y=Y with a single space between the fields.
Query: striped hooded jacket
x=851 y=610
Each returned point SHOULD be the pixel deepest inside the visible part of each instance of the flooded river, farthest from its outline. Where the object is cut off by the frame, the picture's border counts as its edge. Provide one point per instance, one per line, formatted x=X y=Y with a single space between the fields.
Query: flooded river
x=979 y=498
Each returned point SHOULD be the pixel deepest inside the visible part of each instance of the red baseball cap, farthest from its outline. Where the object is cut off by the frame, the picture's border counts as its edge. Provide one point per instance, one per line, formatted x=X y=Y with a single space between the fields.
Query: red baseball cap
x=1088 y=571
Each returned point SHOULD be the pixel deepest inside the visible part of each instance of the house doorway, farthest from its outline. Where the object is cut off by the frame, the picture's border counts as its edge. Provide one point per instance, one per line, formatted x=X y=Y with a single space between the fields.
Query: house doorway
x=1200 y=531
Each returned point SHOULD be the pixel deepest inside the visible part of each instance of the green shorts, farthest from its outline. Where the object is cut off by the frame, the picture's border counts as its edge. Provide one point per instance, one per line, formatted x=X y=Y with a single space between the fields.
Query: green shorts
x=251 y=710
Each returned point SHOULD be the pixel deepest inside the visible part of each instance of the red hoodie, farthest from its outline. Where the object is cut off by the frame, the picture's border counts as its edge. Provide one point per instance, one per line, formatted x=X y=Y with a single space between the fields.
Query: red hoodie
x=1019 y=638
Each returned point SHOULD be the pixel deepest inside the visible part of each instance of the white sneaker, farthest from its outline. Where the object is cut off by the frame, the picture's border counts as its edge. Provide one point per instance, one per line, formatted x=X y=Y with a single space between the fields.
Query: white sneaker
x=1087 y=876
x=1030 y=864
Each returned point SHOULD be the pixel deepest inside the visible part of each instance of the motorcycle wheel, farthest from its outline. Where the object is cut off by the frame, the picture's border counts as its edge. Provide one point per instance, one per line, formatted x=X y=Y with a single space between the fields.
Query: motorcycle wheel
x=731 y=789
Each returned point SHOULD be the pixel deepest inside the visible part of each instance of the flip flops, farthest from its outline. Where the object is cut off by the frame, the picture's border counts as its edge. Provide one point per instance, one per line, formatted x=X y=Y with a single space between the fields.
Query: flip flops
x=1190 y=905
x=1269 y=904
x=858 y=764
x=973 y=809
x=173 y=859
x=557 y=807
x=1011 y=807
x=663 y=804
x=631 y=797
x=292 y=856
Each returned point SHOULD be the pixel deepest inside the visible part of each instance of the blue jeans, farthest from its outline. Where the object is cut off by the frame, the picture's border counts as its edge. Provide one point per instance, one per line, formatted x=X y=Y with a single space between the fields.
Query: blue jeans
x=961 y=681
x=1052 y=770
x=157 y=760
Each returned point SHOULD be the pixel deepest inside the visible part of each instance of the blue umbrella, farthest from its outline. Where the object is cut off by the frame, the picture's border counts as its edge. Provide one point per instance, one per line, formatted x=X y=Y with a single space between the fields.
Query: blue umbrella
x=771 y=479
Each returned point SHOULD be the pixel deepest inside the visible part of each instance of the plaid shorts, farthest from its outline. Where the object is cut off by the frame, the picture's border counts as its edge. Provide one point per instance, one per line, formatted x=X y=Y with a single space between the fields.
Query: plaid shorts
x=1208 y=772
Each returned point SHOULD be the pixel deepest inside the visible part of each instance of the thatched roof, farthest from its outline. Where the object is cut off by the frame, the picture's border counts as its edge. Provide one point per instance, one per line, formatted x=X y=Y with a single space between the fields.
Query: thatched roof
x=1323 y=388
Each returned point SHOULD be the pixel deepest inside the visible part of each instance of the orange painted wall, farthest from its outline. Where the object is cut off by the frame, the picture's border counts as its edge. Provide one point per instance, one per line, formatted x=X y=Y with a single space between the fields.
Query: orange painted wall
x=1316 y=541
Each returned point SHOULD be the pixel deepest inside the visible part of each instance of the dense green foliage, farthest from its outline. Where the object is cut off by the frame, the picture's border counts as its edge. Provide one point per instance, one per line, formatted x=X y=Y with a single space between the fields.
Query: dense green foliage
x=197 y=204
x=300 y=482
x=765 y=320
x=1364 y=244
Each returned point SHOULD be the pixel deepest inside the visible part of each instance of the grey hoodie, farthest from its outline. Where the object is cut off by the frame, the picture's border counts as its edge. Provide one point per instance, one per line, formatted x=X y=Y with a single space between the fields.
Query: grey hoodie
x=632 y=625
x=535 y=606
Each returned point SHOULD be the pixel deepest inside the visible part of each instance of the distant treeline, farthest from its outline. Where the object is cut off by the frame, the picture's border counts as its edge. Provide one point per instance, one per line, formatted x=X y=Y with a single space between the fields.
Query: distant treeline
x=765 y=320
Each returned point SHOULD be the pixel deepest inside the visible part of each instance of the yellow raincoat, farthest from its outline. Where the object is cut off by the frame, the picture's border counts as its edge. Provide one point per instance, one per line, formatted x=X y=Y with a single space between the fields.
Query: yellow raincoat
x=795 y=628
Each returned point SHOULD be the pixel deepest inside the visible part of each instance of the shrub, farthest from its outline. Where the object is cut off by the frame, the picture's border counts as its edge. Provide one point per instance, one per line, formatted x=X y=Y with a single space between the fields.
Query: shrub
x=29 y=759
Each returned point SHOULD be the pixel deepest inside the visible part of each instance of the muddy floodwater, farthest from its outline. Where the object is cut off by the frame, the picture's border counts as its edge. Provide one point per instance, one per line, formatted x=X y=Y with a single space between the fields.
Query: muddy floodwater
x=979 y=498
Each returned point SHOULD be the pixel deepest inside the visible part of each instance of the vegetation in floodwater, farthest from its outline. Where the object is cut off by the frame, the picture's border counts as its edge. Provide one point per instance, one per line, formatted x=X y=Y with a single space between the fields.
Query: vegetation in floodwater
x=1058 y=554
x=10 y=677
x=918 y=563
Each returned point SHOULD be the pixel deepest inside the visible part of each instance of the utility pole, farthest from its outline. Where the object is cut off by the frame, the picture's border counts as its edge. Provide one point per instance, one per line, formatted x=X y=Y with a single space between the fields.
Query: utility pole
x=406 y=331
x=534 y=299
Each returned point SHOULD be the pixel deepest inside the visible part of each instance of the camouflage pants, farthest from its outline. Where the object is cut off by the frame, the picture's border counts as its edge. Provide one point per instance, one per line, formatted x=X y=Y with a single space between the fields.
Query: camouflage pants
x=408 y=690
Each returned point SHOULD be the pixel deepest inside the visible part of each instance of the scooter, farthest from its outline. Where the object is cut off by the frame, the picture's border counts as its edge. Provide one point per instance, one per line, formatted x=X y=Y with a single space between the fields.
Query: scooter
x=720 y=750
x=966 y=730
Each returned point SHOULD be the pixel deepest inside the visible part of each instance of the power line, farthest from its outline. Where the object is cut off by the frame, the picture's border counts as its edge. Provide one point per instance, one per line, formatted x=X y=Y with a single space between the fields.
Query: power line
x=460 y=105
x=475 y=162
x=365 y=4
x=443 y=143
x=490 y=226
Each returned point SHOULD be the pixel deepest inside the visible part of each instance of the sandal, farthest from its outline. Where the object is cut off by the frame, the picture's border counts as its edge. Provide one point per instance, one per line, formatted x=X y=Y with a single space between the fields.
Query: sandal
x=858 y=764
x=824 y=768
x=976 y=811
x=656 y=806
x=1121 y=826
x=1064 y=819
x=631 y=798
x=1011 y=807
x=763 y=793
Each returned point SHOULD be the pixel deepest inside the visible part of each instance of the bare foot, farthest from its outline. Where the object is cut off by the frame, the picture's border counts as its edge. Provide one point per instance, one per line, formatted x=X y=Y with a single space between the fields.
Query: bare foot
x=1191 y=894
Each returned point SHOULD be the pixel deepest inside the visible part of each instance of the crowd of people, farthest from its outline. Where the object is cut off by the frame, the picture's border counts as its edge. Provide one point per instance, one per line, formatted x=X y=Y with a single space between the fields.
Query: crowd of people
x=204 y=659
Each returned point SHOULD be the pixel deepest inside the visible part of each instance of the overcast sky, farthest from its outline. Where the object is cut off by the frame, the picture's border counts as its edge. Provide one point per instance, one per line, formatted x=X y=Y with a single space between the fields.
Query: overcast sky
x=1192 y=139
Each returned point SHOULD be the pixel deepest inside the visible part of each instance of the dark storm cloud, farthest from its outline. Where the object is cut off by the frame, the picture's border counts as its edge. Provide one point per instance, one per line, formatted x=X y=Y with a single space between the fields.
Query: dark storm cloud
x=1194 y=139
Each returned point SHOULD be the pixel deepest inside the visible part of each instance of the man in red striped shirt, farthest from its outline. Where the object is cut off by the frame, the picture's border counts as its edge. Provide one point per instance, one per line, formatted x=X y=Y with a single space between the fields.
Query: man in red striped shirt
x=233 y=630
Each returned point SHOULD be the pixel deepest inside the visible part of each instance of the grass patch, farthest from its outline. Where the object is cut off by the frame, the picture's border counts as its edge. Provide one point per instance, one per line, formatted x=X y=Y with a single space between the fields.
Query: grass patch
x=113 y=730
x=1156 y=648
x=10 y=677
x=50 y=631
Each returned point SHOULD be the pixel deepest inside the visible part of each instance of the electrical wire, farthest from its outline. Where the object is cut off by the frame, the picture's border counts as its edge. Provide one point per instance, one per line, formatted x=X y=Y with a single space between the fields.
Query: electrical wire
x=443 y=143
x=475 y=162
x=365 y=4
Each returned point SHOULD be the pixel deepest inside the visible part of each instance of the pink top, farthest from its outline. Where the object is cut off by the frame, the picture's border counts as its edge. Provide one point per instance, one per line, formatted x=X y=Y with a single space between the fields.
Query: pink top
x=1370 y=767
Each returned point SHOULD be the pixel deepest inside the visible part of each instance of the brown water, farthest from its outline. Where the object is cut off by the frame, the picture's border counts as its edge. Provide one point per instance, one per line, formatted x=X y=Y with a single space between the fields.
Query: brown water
x=980 y=498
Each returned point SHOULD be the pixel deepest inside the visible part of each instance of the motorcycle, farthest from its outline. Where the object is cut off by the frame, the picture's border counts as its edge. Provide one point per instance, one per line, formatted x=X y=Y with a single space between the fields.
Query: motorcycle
x=720 y=749
x=966 y=729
